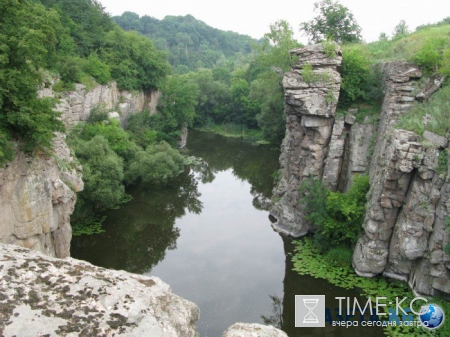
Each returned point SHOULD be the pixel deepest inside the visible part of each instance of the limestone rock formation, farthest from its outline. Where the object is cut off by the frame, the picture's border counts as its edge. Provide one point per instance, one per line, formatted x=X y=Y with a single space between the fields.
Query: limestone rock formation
x=408 y=202
x=44 y=296
x=76 y=106
x=252 y=330
x=404 y=227
x=37 y=197
x=311 y=97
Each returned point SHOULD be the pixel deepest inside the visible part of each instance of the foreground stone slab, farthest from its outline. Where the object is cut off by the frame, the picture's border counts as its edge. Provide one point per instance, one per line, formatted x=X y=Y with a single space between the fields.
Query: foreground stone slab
x=252 y=330
x=44 y=296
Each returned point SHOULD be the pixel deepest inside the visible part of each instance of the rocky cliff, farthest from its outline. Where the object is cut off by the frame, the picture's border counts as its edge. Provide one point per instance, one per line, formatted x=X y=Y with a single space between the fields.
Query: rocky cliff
x=76 y=105
x=408 y=202
x=43 y=296
x=37 y=197
x=38 y=193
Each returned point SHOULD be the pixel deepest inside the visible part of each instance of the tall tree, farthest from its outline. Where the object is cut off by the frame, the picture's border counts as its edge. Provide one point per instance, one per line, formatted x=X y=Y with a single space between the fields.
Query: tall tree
x=334 y=22
x=28 y=39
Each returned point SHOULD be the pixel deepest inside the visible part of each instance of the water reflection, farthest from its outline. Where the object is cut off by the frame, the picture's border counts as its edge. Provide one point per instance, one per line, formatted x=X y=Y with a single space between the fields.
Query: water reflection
x=139 y=233
x=248 y=162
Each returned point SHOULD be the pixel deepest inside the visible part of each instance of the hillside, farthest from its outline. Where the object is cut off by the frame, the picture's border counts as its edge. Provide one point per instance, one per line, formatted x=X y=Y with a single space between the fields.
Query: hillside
x=191 y=43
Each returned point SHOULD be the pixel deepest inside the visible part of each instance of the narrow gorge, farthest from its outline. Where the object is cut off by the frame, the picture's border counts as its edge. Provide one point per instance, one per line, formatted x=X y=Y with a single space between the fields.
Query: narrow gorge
x=404 y=230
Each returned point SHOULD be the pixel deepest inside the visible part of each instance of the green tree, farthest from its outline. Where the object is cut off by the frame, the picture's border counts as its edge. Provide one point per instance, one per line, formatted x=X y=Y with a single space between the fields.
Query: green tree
x=337 y=216
x=28 y=40
x=401 y=29
x=134 y=61
x=275 y=50
x=158 y=163
x=102 y=175
x=272 y=60
x=334 y=22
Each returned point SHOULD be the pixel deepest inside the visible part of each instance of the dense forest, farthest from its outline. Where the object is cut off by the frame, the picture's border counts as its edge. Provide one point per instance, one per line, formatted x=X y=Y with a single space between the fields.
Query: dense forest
x=190 y=43
x=209 y=79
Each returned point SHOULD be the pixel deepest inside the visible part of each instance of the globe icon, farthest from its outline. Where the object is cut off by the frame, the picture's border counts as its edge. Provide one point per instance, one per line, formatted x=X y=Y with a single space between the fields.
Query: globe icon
x=431 y=316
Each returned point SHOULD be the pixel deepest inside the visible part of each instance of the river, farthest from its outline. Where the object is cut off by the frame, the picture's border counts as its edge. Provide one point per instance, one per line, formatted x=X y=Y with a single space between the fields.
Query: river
x=207 y=234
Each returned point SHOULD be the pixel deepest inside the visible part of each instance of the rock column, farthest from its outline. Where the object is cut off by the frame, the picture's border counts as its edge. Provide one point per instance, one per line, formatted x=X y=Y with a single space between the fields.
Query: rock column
x=311 y=93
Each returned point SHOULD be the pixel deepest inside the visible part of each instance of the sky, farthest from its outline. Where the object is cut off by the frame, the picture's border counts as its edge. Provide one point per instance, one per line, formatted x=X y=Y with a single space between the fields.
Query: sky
x=254 y=17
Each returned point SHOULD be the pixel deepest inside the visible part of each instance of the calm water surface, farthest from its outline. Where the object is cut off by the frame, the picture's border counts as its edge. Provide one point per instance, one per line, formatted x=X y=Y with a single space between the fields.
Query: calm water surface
x=207 y=234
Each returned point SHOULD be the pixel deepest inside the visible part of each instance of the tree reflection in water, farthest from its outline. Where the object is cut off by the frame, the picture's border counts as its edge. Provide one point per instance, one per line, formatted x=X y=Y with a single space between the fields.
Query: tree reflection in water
x=138 y=235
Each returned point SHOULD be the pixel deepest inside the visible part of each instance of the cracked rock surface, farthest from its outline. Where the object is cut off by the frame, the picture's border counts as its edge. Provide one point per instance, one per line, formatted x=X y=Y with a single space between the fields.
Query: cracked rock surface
x=44 y=296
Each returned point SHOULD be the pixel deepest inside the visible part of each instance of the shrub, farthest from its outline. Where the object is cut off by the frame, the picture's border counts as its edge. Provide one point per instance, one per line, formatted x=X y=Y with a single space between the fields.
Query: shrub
x=157 y=163
x=429 y=57
x=340 y=256
x=357 y=76
x=337 y=216
x=102 y=175
x=98 y=113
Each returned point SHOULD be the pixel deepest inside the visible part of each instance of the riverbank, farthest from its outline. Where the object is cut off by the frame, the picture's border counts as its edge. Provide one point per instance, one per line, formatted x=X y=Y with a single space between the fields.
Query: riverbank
x=232 y=130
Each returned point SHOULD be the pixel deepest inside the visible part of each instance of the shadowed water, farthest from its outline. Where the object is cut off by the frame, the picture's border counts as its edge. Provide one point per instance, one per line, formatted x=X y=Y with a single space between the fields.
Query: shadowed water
x=207 y=234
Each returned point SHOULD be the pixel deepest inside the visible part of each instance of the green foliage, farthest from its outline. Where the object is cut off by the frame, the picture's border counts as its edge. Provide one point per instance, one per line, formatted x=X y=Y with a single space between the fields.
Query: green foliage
x=329 y=48
x=6 y=148
x=98 y=113
x=88 y=226
x=274 y=52
x=337 y=216
x=308 y=260
x=438 y=110
x=357 y=76
x=140 y=125
x=431 y=55
x=86 y=21
x=134 y=60
x=447 y=247
x=442 y=167
x=233 y=130
x=27 y=43
x=190 y=43
x=340 y=256
x=404 y=47
x=97 y=69
x=401 y=29
x=102 y=173
x=310 y=76
x=334 y=22
x=268 y=93
x=157 y=163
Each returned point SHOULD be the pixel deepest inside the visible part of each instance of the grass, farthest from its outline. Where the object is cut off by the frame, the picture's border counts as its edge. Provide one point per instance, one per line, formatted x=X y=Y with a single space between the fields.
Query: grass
x=234 y=131
x=405 y=47
x=438 y=109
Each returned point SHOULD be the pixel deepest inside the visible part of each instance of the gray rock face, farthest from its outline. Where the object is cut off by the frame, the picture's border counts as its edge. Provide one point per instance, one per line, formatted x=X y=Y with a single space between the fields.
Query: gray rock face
x=310 y=108
x=404 y=226
x=41 y=295
x=76 y=105
x=252 y=330
x=408 y=202
x=37 y=197
x=182 y=141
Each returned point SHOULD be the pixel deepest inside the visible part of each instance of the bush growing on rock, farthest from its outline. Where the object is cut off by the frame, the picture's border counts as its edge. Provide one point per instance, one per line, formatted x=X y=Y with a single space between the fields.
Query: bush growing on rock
x=337 y=216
